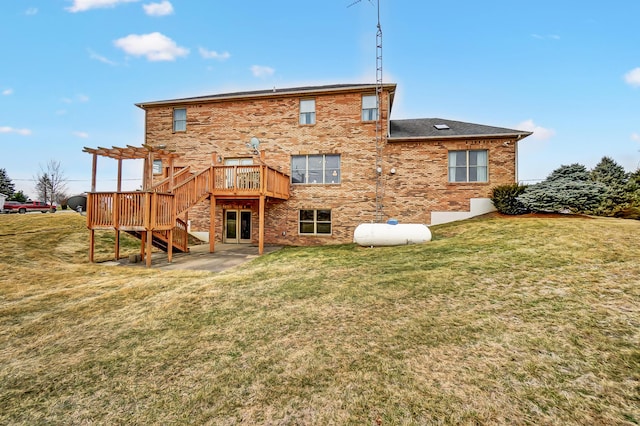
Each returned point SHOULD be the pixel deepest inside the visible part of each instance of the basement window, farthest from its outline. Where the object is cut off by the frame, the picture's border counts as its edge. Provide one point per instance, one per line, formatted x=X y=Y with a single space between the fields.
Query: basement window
x=315 y=222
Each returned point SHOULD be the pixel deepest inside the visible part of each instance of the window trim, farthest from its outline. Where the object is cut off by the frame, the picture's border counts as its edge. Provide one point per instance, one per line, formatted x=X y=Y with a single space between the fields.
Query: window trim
x=315 y=222
x=369 y=110
x=324 y=169
x=183 y=121
x=467 y=166
x=311 y=115
x=157 y=167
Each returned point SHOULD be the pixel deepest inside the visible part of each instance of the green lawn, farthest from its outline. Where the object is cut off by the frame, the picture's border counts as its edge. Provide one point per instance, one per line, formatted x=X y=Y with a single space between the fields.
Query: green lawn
x=498 y=320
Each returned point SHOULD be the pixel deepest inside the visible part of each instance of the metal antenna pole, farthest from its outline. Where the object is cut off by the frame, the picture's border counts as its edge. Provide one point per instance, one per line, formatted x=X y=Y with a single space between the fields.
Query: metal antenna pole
x=381 y=137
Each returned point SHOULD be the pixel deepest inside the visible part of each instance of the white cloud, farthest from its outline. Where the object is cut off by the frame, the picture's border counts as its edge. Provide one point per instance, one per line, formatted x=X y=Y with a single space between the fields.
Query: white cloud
x=83 y=135
x=635 y=137
x=212 y=54
x=539 y=132
x=154 y=46
x=262 y=71
x=100 y=58
x=31 y=11
x=7 y=129
x=632 y=78
x=84 y=5
x=7 y=92
x=158 y=9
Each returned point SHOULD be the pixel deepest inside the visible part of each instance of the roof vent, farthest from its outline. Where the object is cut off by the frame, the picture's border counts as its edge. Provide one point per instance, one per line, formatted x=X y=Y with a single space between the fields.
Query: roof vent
x=441 y=126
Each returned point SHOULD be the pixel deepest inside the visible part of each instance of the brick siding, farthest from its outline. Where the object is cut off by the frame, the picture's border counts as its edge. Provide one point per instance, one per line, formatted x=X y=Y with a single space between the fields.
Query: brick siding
x=419 y=186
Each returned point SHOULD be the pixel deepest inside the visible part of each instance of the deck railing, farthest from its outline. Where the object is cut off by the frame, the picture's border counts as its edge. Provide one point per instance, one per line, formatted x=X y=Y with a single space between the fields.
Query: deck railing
x=158 y=211
x=165 y=184
x=249 y=180
x=130 y=211
x=192 y=190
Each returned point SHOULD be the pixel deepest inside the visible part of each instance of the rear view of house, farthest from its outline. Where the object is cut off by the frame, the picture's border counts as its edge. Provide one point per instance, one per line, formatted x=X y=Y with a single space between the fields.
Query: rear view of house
x=342 y=159
x=324 y=139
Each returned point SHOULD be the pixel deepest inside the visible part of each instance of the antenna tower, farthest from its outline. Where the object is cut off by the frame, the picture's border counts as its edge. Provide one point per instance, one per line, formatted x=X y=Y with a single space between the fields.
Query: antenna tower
x=380 y=134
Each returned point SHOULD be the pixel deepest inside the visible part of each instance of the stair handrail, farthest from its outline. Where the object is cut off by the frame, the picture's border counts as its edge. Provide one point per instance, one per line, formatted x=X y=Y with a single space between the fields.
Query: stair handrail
x=192 y=190
x=165 y=184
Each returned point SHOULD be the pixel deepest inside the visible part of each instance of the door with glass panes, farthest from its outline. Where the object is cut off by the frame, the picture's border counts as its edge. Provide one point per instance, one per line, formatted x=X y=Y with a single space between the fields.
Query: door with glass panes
x=237 y=226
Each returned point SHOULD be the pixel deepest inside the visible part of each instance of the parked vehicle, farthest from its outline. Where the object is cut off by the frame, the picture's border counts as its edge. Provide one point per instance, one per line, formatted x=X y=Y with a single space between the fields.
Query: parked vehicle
x=29 y=206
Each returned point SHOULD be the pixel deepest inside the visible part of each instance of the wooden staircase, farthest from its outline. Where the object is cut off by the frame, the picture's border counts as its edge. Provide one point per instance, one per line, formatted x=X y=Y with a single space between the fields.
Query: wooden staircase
x=153 y=215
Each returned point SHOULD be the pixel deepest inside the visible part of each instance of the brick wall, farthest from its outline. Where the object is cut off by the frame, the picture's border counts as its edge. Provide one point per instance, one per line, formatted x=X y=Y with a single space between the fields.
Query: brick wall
x=421 y=184
x=223 y=128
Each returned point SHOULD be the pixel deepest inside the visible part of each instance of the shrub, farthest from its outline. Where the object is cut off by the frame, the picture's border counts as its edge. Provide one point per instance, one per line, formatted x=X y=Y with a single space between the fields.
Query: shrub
x=504 y=198
x=568 y=188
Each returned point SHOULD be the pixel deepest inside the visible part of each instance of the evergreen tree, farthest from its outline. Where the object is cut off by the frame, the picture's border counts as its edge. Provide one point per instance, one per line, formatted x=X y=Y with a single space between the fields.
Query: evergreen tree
x=567 y=189
x=18 y=196
x=614 y=178
x=6 y=185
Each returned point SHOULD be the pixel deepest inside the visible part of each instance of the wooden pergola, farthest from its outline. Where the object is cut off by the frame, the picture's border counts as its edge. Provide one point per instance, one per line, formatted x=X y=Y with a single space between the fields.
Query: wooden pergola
x=147 y=153
x=153 y=213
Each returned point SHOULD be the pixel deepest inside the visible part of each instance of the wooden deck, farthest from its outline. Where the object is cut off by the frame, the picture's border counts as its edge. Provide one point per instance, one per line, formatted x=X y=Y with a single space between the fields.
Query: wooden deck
x=154 y=213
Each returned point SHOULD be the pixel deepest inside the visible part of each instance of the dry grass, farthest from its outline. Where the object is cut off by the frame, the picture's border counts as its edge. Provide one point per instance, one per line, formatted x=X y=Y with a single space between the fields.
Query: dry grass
x=523 y=321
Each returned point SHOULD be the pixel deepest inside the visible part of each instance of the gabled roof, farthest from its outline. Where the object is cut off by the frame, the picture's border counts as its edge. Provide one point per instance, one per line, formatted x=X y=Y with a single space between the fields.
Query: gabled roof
x=275 y=92
x=438 y=128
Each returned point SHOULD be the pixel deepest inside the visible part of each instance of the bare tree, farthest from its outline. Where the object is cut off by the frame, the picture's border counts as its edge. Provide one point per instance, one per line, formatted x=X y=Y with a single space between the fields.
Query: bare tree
x=51 y=182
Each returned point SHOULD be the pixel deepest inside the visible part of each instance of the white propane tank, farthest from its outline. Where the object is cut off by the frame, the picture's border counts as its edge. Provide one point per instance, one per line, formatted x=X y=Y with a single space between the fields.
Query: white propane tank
x=391 y=233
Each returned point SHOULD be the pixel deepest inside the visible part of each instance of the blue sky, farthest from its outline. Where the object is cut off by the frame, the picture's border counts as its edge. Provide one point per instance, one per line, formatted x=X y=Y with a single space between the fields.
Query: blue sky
x=72 y=70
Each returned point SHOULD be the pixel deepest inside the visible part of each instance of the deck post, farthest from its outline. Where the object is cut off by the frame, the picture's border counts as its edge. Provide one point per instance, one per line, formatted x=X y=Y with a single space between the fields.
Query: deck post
x=92 y=240
x=212 y=224
x=119 y=174
x=116 y=214
x=143 y=239
x=261 y=226
x=149 y=245
x=94 y=166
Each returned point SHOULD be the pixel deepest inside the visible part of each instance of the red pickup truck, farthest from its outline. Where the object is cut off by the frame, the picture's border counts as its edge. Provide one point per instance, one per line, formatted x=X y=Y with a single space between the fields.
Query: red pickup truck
x=29 y=206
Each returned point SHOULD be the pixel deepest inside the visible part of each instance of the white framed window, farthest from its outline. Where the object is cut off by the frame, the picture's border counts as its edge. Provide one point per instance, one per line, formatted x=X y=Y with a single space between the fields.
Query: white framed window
x=469 y=166
x=157 y=167
x=307 y=111
x=179 y=119
x=315 y=169
x=314 y=222
x=369 y=107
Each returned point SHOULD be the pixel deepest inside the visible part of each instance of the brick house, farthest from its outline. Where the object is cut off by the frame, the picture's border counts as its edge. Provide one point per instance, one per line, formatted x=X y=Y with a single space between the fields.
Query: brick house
x=324 y=138
x=345 y=161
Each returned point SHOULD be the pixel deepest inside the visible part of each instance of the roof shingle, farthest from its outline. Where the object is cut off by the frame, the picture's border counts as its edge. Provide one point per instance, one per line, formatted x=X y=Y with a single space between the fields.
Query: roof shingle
x=425 y=128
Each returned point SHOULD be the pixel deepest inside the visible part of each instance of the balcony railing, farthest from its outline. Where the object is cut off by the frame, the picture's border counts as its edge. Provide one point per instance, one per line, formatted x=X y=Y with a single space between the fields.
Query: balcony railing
x=250 y=180
x=130 y=211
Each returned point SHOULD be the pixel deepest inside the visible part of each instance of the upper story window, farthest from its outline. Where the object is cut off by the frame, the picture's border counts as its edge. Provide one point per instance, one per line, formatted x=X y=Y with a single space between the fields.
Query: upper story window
x=179 y=119
x=468 y=166
x=307 y=111
x=318 y=169
x=369 y=107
